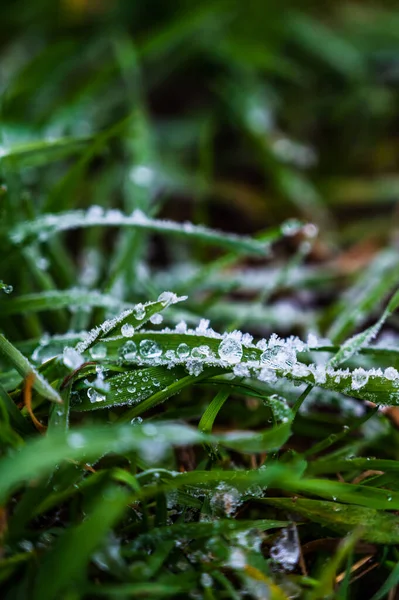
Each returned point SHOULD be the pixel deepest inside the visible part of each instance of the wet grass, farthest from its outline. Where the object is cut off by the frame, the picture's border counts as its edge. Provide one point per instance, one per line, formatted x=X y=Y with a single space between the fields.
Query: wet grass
x=199 y=367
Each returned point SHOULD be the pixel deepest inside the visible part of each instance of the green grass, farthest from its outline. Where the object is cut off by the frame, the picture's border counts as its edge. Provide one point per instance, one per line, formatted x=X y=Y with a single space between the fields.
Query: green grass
x=199 y=364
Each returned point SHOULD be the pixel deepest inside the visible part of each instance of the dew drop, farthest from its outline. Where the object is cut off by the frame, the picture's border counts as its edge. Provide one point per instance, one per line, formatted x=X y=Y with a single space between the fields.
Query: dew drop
x=98 y=352
x=166 y=298
x=150 y=349
x=182 y=351
x=278 y=357
x=230 y=350
x=139 y=311
x=156 y=319
x=129 y=351
x=72 y=358
x=76 y=440
x=127 y=330
x=200 y=352
x=359 y=379
x=94 y=396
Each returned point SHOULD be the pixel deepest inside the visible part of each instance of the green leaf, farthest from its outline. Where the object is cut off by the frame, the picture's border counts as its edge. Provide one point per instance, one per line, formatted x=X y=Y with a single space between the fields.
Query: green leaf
x=48 y=225
x=40 y=152
x=377 y=526
x=74 y=547
x=25 y=368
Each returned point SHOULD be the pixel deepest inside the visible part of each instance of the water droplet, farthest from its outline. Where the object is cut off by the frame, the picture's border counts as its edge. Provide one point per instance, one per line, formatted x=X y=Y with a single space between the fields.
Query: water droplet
x=166 y=298
x=7 y=289
x=136 y=421
x=72 y=358
x=94 y=396
x=200 y=352
x=285 y=550
x=391 y=374
x=206 y=580
x=230 y=350
x=76 y=440
x=183 y=351
x=128 y=351
x=98 y=351
x=156 y=319
x=150 y=349
x=139 y=311
x=237 y=559
x=359 y=379
x=389 y=498
x=127 y=330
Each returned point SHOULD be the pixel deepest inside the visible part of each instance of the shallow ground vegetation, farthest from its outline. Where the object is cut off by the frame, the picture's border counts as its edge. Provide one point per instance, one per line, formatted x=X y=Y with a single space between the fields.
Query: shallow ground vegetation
x=199 y=365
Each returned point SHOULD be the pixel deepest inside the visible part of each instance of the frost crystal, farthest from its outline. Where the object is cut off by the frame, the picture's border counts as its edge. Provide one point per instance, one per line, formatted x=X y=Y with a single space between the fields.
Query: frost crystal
x=202 y=327
x=267 y=375
x=127 y=330
x=181 y=327
x=150 y=349
x=230 y=350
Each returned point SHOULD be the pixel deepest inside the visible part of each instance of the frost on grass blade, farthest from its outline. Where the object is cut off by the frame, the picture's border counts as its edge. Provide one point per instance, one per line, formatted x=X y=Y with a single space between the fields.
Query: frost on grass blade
x=129 y=320
x=48 y=225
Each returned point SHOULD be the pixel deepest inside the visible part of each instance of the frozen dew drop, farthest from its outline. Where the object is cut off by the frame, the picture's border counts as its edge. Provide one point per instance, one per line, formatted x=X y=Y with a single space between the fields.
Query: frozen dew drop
x=359 y=379
x=278 y=357
x=166 y=298
x=127 y=330
x=72 y=358
x=156 y=319
x=98 y=351
x=182 y=351
x=200 y=352
x=291 y=227
x=391 y=374
x=285 y=551
x=94 y=396
x=206 y=580
x=230 y=350
x=150 y=349
x=139 y=311
x=237 y=559
x=76 y=440
x=129 y=351
x=7 y=289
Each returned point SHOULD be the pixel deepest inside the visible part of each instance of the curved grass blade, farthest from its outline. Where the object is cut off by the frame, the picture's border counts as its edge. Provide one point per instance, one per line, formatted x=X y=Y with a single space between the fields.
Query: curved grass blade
x=56 y=299
x=377 y=526
x=359 y=341
x=74 y=547
x=41 y=152
x=49 y=225
x=24 y=368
